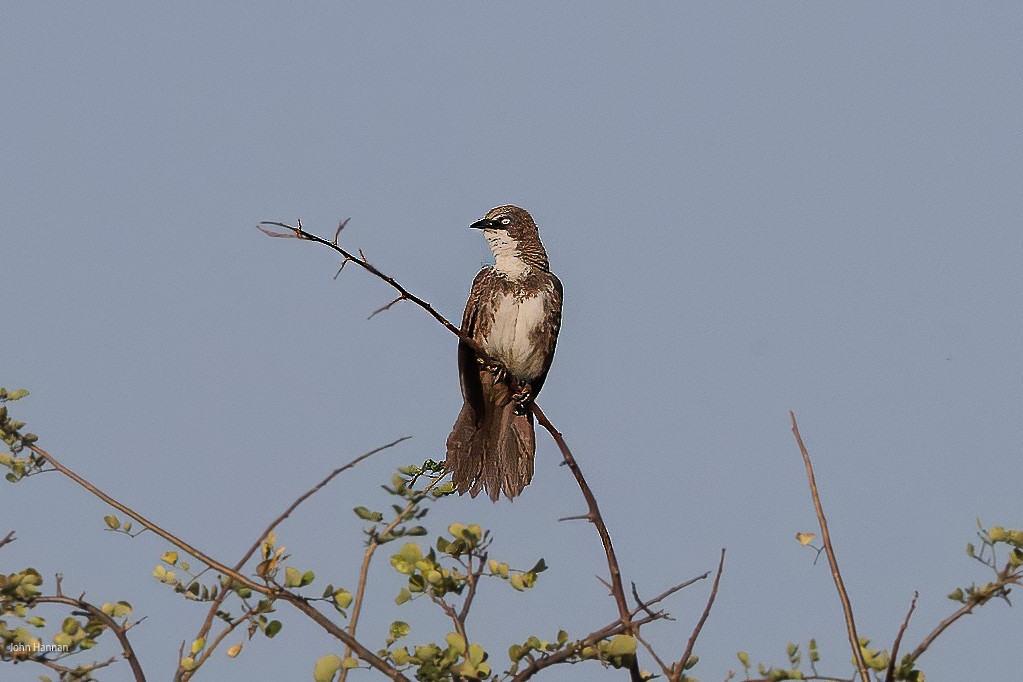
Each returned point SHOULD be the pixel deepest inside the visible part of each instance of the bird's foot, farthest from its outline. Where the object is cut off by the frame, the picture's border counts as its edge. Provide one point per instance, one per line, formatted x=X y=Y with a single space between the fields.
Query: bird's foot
x=522 y=398
x=496 y=370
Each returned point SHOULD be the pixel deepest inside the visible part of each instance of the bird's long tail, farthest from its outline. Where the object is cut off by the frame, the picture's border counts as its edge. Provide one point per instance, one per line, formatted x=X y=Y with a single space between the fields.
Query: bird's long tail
x=492 y=449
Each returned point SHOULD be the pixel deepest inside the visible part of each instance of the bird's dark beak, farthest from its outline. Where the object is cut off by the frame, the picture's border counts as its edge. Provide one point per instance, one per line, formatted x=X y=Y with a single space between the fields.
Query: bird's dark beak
x=485 y=224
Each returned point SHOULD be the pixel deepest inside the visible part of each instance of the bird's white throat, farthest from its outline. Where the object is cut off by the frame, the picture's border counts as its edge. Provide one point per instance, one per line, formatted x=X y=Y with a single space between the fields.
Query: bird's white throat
x=506 y=254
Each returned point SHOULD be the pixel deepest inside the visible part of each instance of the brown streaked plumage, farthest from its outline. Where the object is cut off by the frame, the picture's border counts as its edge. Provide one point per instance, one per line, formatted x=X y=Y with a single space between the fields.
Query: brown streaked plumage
x=514 y=313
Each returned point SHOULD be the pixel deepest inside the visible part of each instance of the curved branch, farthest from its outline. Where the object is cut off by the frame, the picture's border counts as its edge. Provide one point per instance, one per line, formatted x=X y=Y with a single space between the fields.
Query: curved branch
x=115 y=627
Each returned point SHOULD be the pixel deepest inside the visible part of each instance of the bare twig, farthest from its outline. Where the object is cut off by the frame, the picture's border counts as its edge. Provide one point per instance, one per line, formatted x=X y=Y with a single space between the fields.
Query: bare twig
x=677 y=675
x=300 y=233
x=964 y=610
x=639 y=602
x=890 y=673
x=8 y=539
x=850 y=623
x=312 y=491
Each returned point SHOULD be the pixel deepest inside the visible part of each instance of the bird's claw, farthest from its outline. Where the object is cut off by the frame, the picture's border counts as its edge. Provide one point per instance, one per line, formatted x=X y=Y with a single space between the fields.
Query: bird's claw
x=522 y=398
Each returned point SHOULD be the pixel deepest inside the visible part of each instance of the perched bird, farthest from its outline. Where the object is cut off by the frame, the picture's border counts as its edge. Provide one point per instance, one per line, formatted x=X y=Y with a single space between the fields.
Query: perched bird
x=514 y=314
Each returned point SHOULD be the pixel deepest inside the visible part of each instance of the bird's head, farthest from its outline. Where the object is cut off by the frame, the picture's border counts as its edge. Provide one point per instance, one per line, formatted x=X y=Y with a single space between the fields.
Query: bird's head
x=514 y=239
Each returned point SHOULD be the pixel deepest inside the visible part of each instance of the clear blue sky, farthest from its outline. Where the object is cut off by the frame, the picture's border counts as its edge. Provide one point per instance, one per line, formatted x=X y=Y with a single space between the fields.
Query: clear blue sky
x=753 y=207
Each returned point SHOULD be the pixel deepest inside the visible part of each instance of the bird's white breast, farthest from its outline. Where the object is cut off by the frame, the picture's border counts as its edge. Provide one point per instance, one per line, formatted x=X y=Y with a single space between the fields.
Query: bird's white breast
x=510 y=339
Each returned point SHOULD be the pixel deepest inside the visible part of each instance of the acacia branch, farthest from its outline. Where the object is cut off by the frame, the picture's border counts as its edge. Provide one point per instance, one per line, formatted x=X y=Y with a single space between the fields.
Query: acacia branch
x=850 y=623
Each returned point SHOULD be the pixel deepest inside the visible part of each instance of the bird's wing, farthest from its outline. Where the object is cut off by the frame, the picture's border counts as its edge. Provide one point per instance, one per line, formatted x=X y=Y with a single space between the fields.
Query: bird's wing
x=475 y=321
x=548 y=333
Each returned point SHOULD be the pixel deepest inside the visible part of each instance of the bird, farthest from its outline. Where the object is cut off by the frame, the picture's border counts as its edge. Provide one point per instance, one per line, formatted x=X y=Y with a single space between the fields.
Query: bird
x=513 y=315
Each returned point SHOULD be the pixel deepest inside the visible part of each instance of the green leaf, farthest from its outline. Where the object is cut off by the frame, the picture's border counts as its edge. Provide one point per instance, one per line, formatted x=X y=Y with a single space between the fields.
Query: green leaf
x=455 y=642
x=343 y=598
x=403 y=596
x=272 y=628
x=326 y=668
x=292 y=578
x=112 y=522
x=621 y=645
x=368 y=515
x=399 y=629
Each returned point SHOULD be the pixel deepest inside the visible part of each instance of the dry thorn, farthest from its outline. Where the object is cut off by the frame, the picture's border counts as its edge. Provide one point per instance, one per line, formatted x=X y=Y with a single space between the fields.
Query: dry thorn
x=386 y=307
x=340 y=227
x=577 y=517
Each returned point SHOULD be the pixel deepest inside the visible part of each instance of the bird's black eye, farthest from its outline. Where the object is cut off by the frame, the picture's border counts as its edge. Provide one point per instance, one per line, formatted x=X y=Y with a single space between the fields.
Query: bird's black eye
x=504 y=220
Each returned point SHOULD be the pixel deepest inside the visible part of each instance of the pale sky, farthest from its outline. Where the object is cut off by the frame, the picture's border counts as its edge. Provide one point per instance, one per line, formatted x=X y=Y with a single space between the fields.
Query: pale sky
x=754 y=207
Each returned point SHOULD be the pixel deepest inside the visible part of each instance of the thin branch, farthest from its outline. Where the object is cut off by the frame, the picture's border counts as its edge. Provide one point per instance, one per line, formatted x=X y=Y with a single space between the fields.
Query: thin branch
x=966 y=609
x=8 y=539
x=115 y=627
x=672 y=590
x=223 y=594
x=299 y=233
x=889 y=675
x=639 y=602
x=650 y=650
x=360 y=592
x=472 y=578
x=850 y=623
x=274 y=592
x=312 y=491
x=703 y=619
x=609 y=630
